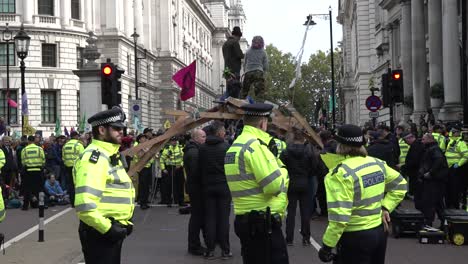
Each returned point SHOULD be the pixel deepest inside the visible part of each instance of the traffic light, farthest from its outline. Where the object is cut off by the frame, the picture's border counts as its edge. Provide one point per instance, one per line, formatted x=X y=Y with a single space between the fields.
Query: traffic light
x=396 y=85
x=110 y=84
x=385 y=90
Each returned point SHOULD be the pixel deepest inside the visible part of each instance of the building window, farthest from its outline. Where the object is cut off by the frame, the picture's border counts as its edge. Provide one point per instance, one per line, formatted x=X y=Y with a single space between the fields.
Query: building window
x=79 y=57
x=75 y=9
x=7 y=6
x=4 y=106
x=48 y=106
x=49 y=55
x=3 y=53
x=46 y=7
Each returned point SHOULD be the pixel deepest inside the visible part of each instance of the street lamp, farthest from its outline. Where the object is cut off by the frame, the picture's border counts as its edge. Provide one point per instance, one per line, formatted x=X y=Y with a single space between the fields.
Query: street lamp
x=22 y=41
x=135 y=37
x=7 y=37
x=310 y=22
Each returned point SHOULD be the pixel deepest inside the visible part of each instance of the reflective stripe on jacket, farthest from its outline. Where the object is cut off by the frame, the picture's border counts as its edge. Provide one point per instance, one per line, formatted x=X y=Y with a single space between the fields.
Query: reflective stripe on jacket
x=71 y=151
x=32 y=157
x=254 y=177
x=356 y=193
x=102 y=190
x=172 y=156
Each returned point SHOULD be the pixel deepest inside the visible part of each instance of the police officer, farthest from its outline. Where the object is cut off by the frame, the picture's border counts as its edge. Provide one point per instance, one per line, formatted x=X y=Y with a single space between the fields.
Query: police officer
x=258 y=186
x=104 y=198
x=358 y=208
x=2 y=210
x=173 y=174
x=70 y=152
x=33 y=160
x=457 y=157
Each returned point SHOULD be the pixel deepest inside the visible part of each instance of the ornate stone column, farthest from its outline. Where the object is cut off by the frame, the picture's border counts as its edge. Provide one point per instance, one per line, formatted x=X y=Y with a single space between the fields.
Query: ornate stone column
x=65 y=12
x=435 y=49
x=138 y=11
x=451 y=62
x=129 y=18
x=28 y=10
x=406 y=52
x=420 y=91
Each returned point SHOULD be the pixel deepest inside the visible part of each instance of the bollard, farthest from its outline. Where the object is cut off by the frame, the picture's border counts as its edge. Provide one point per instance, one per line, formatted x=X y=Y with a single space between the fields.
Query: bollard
x=41 y=217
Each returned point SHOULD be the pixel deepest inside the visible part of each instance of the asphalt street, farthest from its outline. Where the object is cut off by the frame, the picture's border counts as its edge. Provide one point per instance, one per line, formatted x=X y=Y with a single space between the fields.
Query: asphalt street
x=160 y=236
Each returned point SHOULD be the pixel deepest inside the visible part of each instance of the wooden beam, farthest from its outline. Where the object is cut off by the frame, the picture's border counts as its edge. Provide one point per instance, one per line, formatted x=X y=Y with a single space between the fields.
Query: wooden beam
x=305 y=125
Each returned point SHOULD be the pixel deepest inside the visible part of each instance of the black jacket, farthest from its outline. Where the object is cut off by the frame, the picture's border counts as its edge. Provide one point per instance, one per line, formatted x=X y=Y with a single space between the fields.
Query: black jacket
x=10 y=162
x=233 y=55
x=383 y=149
x=300 y=161
x=191 y=156
x=396 y=147
x=434 y=162
x=212 y=161
x=413 y=158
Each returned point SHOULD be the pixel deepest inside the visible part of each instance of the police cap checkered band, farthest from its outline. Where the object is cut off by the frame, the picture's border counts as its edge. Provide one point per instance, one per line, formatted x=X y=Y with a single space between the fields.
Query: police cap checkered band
x=112 y=117
x=350 y=135
x=106 y=121
x=257 y=109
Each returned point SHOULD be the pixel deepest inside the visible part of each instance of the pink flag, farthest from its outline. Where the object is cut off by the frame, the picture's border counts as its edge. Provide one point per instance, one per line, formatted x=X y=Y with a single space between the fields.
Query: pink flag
x=185 y=78
x=12 y=103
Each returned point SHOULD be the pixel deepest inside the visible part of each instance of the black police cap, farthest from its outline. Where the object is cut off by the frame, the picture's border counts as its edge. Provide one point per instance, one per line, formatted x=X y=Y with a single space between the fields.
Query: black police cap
x=114 y=117
x=350 y=135
x=257 y=109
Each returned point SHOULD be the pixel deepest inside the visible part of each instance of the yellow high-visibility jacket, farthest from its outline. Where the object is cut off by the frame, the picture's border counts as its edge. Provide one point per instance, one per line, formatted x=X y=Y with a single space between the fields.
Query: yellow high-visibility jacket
x=2 y=206
x=71 y=151
x=32 y=157
x=457 y=152
x=172 y=156
x=404 y=148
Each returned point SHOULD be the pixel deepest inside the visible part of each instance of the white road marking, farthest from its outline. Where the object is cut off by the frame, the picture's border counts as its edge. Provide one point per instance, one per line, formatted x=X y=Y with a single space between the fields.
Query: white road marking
x=314 y=243
x=34 y=228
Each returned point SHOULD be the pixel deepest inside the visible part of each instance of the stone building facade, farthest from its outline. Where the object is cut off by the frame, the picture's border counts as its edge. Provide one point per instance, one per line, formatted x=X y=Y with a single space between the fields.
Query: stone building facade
x=421 y=37
x=172 y=34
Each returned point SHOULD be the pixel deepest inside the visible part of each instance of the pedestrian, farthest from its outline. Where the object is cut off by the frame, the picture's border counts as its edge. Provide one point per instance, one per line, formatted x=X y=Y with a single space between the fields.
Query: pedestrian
x=300 y=161
x=457 y=157
x=432 y=177
x=382 y=148
x=10 y=169
x=384 y=130
x=195 y=192
x=33 y=160
x=410 y=168
x=232 y=53
x=2 y=211
x=361 y=192
x=258 y=186
x=104 y=199
x=329 y=149
x=70 y=153
x=145 y=176
x=215 y=191
x=255 y=67
x=172 y=185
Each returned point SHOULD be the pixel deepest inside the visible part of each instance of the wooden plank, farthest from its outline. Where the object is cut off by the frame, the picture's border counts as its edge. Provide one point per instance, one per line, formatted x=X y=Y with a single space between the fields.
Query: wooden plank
x=219 y=115
x=305 y=125
x=236 y=102
x=175 y=112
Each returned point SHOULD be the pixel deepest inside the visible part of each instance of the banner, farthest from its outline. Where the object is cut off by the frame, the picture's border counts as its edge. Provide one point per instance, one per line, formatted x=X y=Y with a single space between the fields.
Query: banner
x=185 y=78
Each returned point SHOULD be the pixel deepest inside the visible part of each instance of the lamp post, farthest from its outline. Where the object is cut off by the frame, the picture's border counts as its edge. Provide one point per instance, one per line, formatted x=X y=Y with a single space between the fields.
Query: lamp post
x=310 y=22
x=222 y=89
x=135 y=37
x=22 y=41
x=7 y=37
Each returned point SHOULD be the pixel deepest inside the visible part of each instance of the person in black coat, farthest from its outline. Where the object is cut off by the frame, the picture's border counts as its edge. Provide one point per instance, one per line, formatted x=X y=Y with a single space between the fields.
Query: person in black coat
x=300 y=161
x=413 y=160
x=432 y=176
x=10 y=168
x=329 y=146
x=216 y=191
x=382 y=148
x=194 y=190
x=386 y=133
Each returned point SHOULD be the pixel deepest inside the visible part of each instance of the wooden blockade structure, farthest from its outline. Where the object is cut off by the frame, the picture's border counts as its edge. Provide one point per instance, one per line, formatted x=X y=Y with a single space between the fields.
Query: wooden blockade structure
x=230 y=109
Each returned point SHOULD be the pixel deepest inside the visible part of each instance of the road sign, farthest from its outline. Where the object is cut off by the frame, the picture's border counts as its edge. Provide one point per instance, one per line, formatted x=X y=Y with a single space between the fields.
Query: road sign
x=135 y=108
x=373 y=114
x=373 y=103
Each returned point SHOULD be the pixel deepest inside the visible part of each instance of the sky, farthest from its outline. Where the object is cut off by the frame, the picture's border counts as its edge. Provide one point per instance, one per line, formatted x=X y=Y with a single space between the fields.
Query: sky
x=280 y=23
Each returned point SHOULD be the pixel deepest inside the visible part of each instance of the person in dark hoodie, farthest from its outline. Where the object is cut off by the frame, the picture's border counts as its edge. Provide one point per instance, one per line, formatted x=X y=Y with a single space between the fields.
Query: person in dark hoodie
x=433 y=173
x=386 y=134
x=412 y=162
x=381 y=148
x=232 y=52
x=194 y=190
x=299 y=160
x=216 y=191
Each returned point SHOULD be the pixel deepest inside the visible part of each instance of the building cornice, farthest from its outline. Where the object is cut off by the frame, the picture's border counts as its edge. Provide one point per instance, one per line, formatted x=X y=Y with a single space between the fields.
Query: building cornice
x=195 y=5
x=389 y=4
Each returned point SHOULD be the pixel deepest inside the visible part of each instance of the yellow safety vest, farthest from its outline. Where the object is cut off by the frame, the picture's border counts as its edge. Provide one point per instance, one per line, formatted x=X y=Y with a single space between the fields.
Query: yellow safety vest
x=71 y=151
x=2 y=206
x=254 y=177
x=2 y=159
x=102 y=190
x=32 y=157
x=281 y=145
x=356 y=193
x=440 y=139
x=172 y=156
x=457 y=152
x=404 y=148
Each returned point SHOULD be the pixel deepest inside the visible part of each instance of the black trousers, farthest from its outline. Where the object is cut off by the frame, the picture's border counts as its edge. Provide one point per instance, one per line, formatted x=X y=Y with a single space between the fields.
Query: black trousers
x=322 y=196
x=32 y=184
x=362 y=247
x=96 y=248
x=196 y=222
x=217 y=210
x=304 y=207
x=144 y=185
x=428 y=198
x=462 y=173
x=172 y=185
x=254 y=248
x=70 y=185
x=453 y=196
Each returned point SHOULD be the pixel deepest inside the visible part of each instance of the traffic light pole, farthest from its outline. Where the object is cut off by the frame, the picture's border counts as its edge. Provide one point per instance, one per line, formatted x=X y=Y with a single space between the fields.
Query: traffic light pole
x=391 y=104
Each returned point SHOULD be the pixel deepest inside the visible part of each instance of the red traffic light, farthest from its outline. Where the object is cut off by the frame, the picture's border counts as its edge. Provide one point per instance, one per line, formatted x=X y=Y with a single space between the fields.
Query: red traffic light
x=396 y=76
x=107 y=70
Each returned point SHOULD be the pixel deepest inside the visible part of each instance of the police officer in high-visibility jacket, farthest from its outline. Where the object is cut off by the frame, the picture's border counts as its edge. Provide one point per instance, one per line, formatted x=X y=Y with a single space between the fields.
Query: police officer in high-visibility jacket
x=2 y=207
x=104 y=198
x=361 y=191
x=457 y=157
x=33 y=160
x=258 y=184
x=173 y=180
x=70 y=153
x=437 y=133
x=404 y=148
